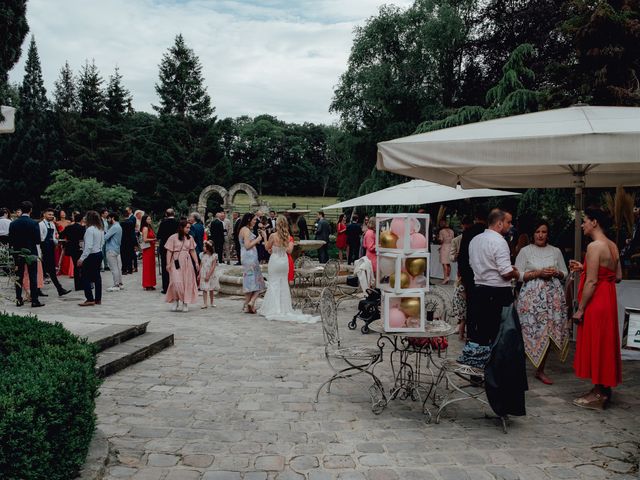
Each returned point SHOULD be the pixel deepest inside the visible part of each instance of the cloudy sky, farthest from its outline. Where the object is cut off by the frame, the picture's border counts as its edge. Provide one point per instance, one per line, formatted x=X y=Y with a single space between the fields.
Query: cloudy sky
x=259 y=56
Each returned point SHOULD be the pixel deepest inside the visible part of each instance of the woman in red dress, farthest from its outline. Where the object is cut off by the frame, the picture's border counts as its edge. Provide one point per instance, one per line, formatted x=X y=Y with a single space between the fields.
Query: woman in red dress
x=598 y=341
x=341 y=236
x=64 y=263
x=148 y=254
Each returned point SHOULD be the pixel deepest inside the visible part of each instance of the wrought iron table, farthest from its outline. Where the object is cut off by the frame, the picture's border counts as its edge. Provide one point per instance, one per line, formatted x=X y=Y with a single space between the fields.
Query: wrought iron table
x=409 y=376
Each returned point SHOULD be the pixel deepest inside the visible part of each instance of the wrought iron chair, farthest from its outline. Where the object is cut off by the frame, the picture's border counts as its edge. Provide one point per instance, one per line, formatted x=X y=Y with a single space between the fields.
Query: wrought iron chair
x=7 y=265
x=359 y=359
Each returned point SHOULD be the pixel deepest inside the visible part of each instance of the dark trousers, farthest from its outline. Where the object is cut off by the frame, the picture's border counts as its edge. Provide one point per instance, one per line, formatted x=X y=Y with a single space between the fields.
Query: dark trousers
x=21 y=264
x=49 y=266
x=485 y=312
x=163 y=268
x=323 y=254
x=77 y=271
x=354 y=252
x=127 y=254
x=236 y=243
x=4 y=240
x=91 y=274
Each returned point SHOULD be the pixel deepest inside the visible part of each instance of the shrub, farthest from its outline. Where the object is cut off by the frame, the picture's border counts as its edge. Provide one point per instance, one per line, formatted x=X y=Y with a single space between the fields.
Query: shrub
x=48 y=388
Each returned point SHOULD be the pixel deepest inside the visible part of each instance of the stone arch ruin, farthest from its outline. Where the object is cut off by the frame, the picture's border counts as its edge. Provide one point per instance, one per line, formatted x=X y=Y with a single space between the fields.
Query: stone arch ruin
x=227 y=197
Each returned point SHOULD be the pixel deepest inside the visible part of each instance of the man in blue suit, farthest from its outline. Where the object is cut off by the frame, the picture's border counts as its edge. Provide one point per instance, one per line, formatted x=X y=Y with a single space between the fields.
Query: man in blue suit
x=24 y=233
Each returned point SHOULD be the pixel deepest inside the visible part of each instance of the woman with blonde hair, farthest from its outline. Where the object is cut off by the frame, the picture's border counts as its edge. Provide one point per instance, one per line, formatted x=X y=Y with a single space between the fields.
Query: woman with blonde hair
x=277 y=300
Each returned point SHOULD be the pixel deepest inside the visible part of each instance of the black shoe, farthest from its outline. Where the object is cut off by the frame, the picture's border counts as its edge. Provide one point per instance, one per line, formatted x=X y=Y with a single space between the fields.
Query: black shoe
x=42 y=294
x=63 y=292
x=164 y=292
x=36 y=304
x=19 y=302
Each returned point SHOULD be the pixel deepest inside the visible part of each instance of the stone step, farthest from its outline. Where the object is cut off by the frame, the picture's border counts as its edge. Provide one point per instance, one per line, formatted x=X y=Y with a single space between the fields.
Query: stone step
x=134 y=350
x=111 y=335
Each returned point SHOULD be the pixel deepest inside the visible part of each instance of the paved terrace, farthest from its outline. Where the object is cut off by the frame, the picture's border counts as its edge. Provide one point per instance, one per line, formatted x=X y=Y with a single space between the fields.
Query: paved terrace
x=233 y=399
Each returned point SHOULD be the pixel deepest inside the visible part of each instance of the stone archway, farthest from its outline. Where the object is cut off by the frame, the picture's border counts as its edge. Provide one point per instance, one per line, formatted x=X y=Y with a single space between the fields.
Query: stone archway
x=227 y=197
x=246 y=188
x=206 y=193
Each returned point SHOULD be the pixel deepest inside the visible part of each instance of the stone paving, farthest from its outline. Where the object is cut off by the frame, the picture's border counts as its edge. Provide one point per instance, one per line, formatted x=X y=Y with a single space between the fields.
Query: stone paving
x=234 y=399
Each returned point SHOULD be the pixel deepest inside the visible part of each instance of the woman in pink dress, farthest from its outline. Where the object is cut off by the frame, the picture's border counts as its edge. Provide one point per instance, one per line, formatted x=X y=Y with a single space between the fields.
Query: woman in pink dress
x=445 y=236
x=181 y=261
x=369 y=243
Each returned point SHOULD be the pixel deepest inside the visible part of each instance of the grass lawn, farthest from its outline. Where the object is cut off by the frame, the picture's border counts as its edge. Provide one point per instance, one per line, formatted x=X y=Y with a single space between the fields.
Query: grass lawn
x=279 y=203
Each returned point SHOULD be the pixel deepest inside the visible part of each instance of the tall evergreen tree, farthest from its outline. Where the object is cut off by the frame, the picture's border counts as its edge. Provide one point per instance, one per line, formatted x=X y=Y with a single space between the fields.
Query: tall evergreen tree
x=13 y=29
x=90 y=94
x=65 y=95
x=181 y=86
x=118 y=98
x=33 y=95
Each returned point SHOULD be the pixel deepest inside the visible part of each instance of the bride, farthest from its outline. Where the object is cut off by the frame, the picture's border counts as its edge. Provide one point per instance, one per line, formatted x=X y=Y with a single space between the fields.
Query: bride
x=277 y=300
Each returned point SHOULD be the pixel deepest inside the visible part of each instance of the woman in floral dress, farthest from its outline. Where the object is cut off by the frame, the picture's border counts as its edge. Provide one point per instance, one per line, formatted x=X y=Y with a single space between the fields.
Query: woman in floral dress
x=541 y=304
x=252 y=280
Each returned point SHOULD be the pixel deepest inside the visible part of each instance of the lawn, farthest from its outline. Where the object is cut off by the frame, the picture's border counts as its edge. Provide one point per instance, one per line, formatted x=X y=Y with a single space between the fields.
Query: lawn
x=280 y=203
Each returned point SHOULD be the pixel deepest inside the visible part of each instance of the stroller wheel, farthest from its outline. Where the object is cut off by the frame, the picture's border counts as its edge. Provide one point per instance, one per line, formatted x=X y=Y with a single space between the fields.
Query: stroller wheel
x=365 y=328
x=352 y=324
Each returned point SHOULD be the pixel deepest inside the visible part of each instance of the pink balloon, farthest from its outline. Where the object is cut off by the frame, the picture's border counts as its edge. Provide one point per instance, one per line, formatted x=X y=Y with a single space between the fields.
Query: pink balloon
x=400 y=243
x=418 y=240
x=415 y=225
x=397 y=227
x=397 y=318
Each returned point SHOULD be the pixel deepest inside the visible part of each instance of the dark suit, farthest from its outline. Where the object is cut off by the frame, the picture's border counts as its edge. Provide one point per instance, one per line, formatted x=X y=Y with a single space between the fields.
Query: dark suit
x=48 y=248
x=127 y=246
x=197 y=232
x=25 y=233
x=302 y=229
x=236 y=238
x=217 y=237
x=322 y=233
x=167 y=227
x=74 y=234
x=354 y=232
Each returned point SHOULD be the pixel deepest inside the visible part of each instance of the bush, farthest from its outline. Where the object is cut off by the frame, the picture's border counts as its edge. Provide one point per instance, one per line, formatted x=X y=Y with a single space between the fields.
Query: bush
x=48 y=388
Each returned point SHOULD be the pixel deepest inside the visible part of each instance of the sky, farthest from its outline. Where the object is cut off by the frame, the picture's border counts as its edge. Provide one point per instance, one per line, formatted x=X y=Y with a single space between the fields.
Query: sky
x=278 y=57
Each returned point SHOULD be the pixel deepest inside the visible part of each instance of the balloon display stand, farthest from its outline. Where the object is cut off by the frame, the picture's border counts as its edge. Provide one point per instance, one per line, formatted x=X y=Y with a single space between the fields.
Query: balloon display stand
x=402 y=273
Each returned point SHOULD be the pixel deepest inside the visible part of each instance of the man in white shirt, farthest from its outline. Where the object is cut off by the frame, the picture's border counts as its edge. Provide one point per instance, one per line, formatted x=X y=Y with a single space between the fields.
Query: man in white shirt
x=4 y=226
x=48 y=242
x=490 y=261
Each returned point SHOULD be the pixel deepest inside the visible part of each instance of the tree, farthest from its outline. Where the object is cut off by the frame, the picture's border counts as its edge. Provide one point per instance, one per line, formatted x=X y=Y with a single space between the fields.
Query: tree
x=606 y=37
x=33 y=95
x=13 y=30
x=65 y=95
x=85 y=193
x=181 y=86
x=90 y=94
x=118 y=98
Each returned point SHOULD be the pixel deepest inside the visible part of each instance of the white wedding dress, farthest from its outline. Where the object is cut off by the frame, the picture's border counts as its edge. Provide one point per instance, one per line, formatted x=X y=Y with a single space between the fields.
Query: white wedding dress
x=277 y=301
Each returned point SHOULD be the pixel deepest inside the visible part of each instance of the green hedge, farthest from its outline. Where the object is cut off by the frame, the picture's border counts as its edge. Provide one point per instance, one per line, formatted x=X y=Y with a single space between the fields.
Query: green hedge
x=48 y=388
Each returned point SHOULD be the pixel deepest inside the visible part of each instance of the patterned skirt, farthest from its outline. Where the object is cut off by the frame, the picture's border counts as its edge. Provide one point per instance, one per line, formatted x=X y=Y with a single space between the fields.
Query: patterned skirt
x=252 y=279
x=543 y=316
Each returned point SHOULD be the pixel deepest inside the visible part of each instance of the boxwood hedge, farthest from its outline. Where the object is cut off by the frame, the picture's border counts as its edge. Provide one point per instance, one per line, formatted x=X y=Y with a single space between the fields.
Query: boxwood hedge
x=48 y=388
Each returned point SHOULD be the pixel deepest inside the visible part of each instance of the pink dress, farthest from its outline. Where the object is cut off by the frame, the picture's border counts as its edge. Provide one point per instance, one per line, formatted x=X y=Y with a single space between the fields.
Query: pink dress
x=369 y=245
x=182 y=281
x=445 y=236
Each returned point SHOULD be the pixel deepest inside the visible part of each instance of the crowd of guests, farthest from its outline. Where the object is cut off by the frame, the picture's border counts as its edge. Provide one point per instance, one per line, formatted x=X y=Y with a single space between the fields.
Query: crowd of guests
x=487 y=273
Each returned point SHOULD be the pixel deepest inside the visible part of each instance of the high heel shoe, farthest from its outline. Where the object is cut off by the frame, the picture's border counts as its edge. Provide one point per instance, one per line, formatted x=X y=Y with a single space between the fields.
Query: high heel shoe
x=599 y=402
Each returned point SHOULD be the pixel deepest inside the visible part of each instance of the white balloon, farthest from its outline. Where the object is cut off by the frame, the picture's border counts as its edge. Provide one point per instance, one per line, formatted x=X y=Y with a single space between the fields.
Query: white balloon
x=387 y=266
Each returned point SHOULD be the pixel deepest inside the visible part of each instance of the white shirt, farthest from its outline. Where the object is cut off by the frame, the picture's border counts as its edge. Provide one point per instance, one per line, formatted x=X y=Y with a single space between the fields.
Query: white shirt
x=490 y=258
x=533 y=257
x=4 y=227
x=44 y=226
x=93 y=240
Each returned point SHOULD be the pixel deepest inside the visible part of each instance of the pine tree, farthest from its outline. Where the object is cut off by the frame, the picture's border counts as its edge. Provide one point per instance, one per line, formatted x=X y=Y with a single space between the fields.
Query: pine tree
x=13 y=29
x=181 y=87
x=33 y=95
x=90 y=94
x=118 y=98
x=65 y=95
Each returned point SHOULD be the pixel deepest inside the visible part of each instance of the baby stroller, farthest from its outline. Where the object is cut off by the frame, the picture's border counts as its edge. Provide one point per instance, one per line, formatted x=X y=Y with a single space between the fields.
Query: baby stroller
x=368 y=310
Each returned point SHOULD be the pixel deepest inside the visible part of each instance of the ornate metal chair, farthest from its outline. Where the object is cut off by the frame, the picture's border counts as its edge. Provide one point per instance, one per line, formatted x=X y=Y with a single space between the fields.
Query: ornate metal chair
x=7 y=265
x=358 y=359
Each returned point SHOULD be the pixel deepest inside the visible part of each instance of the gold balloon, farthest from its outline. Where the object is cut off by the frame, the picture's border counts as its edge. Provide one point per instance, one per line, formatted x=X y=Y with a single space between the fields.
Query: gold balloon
x=388 y=239
x=410 y=306
x=404 y=280
x=416 y=266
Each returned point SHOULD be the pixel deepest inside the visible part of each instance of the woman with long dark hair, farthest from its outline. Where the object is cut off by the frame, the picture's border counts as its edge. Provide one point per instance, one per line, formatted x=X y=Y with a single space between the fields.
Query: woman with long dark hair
x=598 y=342
x=148 y=253
x=91 y=259
x=341 y=235
x=252 y=279
x=181 y=261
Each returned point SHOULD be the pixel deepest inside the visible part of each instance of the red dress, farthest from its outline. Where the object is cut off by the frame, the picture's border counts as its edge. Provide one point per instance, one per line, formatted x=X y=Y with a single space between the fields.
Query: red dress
x=66 y=265
x=341 y=237
x=149 y=261
x=291 y=264
x=598 y=341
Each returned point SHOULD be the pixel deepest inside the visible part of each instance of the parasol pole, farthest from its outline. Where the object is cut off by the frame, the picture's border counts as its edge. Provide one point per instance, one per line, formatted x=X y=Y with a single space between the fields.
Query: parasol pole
x=578 y=184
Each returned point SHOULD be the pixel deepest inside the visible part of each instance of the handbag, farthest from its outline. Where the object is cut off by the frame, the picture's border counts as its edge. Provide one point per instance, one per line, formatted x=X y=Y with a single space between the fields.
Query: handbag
x=352 y=281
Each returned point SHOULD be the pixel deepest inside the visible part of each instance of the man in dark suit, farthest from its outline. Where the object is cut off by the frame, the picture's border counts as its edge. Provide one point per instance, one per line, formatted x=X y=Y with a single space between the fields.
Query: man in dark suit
x=354 y=232
x=74 y=234
x=303 y=230
x=48 y=242
x=217 y=236
x=129 y=240
x=25 y=233
x=168 y=226
x=236 y=232
x=322 y=233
